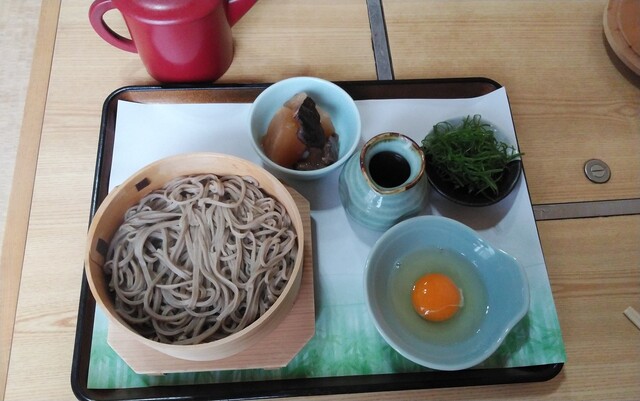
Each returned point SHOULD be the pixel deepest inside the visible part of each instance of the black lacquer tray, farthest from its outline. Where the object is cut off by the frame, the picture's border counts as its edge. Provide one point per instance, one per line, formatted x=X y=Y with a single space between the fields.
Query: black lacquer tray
x=245 y=93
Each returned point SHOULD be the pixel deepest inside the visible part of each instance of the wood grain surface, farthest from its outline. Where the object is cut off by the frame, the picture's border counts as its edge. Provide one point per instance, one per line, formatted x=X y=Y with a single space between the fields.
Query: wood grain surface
x=621 y=23
x=571 y=100
x=20 y=143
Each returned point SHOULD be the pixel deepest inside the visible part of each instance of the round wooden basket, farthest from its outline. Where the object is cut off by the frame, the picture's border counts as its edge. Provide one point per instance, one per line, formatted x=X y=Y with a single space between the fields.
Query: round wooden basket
x=110 y=216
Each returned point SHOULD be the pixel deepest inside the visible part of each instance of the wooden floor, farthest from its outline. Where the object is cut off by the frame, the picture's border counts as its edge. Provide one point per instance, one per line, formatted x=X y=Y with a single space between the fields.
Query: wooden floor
x=19 y=25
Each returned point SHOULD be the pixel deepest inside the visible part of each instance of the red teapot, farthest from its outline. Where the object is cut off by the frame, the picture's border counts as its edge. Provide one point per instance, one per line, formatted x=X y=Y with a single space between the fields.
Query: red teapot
x=177 y=40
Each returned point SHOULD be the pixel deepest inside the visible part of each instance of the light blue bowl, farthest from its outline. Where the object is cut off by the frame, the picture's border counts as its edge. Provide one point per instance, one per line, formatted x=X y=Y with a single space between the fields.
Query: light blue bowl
x=333 y=99
x=503 y=279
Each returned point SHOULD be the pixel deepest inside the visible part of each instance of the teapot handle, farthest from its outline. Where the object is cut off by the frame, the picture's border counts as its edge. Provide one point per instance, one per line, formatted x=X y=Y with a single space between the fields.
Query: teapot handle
x=96 y=14
x=238 y=8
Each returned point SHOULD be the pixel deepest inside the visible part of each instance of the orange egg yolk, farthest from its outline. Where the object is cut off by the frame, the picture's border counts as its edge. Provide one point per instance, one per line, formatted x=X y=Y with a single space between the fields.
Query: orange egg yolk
x=436 y=297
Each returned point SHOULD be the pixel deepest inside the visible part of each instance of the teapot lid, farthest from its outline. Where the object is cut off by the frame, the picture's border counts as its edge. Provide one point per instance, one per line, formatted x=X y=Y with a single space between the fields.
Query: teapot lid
x=166 y=11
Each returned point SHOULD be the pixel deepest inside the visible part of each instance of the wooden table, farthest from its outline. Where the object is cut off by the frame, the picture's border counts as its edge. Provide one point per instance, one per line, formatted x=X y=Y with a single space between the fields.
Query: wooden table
x=572 y=101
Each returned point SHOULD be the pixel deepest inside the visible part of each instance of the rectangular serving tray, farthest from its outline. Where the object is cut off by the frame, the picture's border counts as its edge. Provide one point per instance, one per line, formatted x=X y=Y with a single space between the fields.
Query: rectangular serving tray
x=245 y=93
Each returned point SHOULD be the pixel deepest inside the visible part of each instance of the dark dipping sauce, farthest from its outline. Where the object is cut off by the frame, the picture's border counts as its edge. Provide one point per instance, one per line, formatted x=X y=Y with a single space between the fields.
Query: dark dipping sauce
x=389 y=169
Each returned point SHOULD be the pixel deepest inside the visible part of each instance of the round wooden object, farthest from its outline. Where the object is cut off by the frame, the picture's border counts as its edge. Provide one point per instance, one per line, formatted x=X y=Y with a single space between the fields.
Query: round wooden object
x=273 y=351
x=110 y=215
x=622 y=29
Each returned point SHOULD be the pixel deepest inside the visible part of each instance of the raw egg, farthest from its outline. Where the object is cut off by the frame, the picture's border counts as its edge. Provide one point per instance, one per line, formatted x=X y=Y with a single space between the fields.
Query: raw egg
x=436 y=297
x=472 y=305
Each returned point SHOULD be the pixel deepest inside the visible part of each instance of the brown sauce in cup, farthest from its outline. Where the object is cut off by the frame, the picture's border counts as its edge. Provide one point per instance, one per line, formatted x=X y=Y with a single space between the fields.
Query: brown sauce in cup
x=389 y=169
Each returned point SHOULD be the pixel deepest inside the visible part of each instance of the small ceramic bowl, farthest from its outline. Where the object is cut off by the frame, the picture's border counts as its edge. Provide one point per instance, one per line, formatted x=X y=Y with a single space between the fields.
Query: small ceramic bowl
x=333 y=99
x=462 y=196
x=494 y=288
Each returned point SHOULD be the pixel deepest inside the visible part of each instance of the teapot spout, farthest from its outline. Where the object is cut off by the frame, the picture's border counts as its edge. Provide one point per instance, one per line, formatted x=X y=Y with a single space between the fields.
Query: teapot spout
x=236 y=9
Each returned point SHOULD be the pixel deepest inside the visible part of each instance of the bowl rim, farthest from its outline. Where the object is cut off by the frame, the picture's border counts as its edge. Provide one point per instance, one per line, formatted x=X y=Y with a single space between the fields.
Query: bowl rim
x=302 y=174
x=243 y=338
x=378 y=139
x=500 y=333
x=459 y=195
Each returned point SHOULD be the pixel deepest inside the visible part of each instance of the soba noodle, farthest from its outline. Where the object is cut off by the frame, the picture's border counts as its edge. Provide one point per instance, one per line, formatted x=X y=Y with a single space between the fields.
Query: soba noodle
x=200 y=259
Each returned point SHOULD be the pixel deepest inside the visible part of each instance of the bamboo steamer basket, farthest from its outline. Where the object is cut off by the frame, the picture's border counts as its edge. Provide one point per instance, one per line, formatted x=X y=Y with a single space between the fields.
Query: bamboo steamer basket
x=110 y=216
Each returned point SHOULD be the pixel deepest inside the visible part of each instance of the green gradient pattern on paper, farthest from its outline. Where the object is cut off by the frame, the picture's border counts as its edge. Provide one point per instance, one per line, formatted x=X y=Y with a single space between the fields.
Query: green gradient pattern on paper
x=346 y=343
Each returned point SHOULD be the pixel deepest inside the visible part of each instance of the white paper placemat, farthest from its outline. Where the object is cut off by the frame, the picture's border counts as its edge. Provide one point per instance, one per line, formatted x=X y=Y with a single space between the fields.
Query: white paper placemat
x=346 y=342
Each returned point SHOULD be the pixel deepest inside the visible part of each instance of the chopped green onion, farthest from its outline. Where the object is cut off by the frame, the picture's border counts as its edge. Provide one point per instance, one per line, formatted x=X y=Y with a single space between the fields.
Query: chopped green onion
x=468 y=155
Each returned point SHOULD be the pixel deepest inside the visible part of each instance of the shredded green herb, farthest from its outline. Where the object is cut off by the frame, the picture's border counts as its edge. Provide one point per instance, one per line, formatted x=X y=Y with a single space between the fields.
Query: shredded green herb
x=468 y=155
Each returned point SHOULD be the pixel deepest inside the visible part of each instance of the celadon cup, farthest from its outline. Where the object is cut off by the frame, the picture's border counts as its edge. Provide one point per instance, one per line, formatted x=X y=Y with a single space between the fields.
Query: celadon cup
x=374 y=205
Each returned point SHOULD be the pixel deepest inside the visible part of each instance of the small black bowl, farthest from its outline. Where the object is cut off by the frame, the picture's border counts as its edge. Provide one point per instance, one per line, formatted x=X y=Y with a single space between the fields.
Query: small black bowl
x=463 y=197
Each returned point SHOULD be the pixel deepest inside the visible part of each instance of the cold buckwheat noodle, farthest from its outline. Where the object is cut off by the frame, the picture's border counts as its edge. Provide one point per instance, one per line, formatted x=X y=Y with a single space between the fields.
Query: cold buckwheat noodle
x=200 y=259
